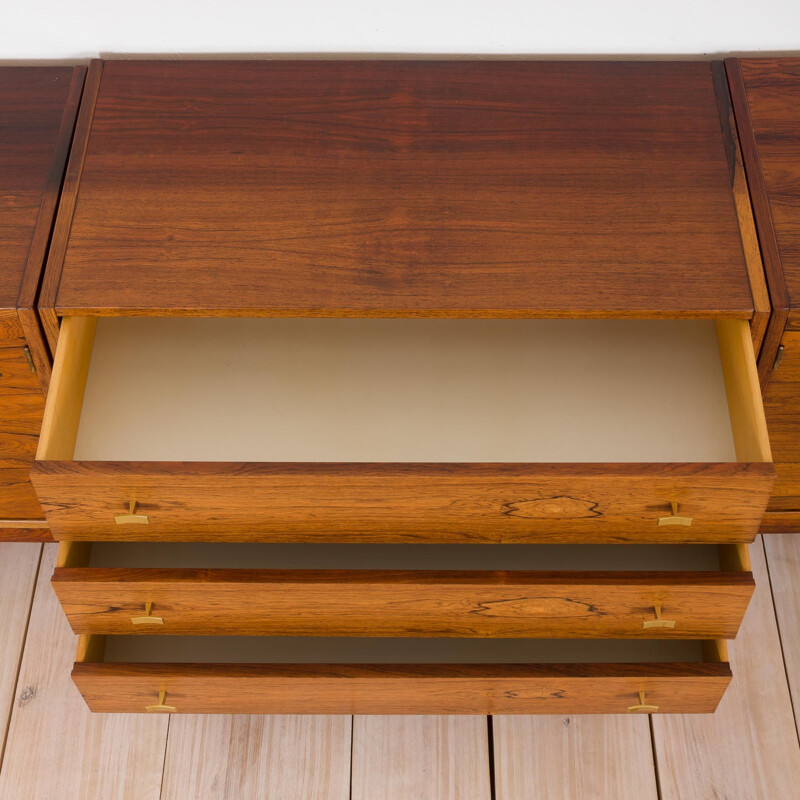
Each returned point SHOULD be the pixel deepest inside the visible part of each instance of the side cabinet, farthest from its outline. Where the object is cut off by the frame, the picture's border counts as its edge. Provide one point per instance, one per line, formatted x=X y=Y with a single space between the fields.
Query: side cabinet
x=766 y=100
x=38 y=107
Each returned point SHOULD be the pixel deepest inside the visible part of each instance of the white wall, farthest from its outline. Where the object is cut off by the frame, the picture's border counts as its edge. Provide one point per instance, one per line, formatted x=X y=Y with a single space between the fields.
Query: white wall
x=68 y=29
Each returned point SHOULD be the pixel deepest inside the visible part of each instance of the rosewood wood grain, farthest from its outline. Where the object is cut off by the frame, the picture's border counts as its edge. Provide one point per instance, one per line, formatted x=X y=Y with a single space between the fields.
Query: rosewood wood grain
x=66 y=208
x=37 y=108
x=781 y=522
x=33 y=102
x=770 y=253
x=207 y=501
x=755 y=269
x=21 y=410
x=401 y=689
x=25 y=530
x=772 y=88
x=399 y=188
x=403 y=603
x=786 y=495
x=34 y=266
x=18 y=500
x=782 y=405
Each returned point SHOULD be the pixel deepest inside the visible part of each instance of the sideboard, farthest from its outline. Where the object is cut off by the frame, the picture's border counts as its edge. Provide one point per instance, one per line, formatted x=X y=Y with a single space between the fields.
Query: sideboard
x=410 y=386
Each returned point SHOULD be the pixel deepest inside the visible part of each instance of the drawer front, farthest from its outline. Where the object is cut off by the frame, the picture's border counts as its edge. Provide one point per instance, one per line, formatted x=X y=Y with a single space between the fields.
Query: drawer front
x=422 y=603
x=405 y=689
x=403 y=502
x=380 y=603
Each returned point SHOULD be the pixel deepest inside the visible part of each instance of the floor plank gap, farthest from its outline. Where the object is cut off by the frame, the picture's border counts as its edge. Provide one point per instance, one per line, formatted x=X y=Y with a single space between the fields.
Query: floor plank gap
x=659 y=796
x=490 y=741
x=780 y=637
x=7 y=725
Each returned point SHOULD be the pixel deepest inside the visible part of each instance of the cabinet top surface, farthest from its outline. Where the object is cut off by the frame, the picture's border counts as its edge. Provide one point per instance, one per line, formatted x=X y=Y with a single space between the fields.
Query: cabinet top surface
x=773 y=97
x=392 y=188
x=32 y=101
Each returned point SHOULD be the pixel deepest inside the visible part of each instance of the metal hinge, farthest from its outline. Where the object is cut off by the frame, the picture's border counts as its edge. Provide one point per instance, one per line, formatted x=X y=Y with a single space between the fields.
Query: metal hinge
x=29 y=358
x=778 y=357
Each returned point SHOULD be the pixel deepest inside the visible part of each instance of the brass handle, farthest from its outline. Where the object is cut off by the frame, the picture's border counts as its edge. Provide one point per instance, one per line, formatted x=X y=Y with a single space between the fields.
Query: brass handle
x=132 y=518
x=161 y=705
x=148 y=618
x=659 y=621
x=674 y=518
x=642 y=706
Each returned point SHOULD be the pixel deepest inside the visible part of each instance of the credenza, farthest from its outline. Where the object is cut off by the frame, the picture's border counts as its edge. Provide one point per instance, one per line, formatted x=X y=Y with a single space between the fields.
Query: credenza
x=408 y=386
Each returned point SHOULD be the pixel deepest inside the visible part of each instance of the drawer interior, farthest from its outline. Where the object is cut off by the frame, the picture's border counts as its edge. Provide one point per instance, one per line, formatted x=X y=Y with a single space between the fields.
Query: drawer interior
x=204 y=555
x=363 y=650
x=405 y=390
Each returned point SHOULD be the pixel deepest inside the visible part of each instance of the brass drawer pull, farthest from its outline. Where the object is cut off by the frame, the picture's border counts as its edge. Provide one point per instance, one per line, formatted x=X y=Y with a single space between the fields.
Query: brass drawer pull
x=148 y=618
x=674 y=518
x=642 y=706
x=132 y=518
x=659 y=621
x=161 y=705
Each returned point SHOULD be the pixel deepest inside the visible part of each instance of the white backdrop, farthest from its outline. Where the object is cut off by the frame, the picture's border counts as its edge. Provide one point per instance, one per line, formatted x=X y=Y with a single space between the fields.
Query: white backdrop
x=70 y=29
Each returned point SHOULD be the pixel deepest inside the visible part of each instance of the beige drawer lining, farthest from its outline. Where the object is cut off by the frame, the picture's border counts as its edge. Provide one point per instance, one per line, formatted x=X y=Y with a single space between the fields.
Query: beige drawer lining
x=368 y=390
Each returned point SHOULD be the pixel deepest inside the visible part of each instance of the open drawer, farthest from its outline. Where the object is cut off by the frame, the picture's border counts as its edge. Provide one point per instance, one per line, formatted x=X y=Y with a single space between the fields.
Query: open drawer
x=404 y=430
x=591 y=591
x=263 y=675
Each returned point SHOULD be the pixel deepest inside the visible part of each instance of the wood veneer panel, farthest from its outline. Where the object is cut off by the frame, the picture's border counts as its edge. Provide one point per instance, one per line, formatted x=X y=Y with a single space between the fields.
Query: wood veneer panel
x=21 y=410
x=33 y=142
x=25 y=530
x=762 y=307
x=206 y=501
x=573 y=758
x=248 y=757
x=34 y=267
x=763 y=213
x=56 y=748
x=781 y=522
x=66 y=208
x=748 y=748
x=772 y=87
x=401 y=689
x=395 y=603
x=391 y=188
x=420 y=756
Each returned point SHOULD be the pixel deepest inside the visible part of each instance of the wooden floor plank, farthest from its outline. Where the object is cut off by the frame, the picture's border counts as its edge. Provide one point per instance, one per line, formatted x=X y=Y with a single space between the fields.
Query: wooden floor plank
x=783 y=560
x=573 y=758
x=57 y=749
x=420 y=758
x=18 y=566
x=258 y=758
x=748 y=750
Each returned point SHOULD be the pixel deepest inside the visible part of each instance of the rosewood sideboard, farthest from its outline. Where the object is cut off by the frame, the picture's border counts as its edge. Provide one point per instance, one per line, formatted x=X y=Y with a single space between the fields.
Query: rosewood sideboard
x=408 y=386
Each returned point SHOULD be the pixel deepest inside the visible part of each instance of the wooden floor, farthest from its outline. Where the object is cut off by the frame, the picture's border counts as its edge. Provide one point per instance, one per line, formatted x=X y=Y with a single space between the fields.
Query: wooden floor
x=54 y=749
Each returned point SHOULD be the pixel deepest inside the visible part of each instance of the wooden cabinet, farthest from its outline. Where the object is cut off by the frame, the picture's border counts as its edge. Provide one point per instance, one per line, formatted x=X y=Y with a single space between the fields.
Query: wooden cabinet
x=37 y=112
x=767 y=104
x=404 y=387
